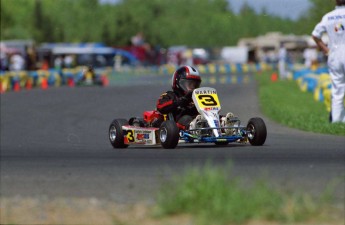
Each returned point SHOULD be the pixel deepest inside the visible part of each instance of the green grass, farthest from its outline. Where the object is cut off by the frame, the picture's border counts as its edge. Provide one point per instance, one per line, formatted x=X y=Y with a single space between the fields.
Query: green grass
x=212 y=198
x=285 y=103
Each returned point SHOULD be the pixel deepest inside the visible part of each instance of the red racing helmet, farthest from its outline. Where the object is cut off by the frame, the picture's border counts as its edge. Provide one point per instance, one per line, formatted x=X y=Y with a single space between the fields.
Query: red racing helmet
x=185 y=79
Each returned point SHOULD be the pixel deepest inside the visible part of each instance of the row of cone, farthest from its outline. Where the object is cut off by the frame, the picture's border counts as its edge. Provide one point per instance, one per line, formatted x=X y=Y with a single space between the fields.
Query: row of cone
x=29 y=85
x=43 y=83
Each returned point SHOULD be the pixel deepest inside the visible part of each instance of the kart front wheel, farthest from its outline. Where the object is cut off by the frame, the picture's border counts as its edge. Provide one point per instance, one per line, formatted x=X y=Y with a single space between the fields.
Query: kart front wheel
x=116 y=133
x=169 y=134
x=256 y=131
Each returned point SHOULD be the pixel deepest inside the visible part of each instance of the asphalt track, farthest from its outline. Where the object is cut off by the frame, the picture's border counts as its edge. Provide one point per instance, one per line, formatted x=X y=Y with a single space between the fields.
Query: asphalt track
x=54 y=143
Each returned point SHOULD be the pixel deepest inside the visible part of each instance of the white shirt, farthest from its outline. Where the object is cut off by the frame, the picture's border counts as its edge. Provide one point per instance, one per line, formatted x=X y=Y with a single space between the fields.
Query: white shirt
x=282 y=54
x=17 y=62
x=334 y=24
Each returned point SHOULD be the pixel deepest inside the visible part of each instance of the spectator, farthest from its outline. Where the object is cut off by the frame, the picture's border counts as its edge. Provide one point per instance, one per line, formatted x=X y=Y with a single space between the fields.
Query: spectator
x=310 y=57
x=17 y=62
x=282 y=55
x=333 y=23
x=31 y=58
x=138 y=39
x=58 y=63
x=45 y=64
x=3 y=61
x=68 y=61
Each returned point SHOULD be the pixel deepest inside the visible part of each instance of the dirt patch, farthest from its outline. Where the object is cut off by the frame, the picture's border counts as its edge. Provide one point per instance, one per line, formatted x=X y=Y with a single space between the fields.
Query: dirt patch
x=19 y=210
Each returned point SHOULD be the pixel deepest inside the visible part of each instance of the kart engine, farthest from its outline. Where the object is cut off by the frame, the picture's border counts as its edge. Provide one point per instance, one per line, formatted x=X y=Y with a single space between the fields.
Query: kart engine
x=201 y=123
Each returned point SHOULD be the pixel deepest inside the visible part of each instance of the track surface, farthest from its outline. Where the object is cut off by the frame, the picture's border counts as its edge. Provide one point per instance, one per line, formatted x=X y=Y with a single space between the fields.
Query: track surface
x=54 y=143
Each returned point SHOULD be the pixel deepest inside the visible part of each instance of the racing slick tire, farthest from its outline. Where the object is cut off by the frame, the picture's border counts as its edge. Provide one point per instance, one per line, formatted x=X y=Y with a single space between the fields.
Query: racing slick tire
x=169 y=134
x=256 y=131
x=116 y=133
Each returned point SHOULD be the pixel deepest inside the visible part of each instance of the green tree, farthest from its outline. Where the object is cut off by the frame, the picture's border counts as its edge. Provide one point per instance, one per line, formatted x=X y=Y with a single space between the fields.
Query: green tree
x=314 y=15
x=106 y=36
x=206 y=23
x=41 y=24
x=15 y=19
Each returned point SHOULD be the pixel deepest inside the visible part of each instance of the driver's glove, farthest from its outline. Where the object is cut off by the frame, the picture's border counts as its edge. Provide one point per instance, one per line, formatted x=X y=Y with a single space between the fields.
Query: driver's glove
x=185 y=100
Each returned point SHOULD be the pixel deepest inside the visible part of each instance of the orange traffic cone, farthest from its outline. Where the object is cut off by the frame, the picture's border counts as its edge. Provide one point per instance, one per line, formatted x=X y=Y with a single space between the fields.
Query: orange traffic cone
x=28 y=84
x=274 y=77
x=16 y=86
x=105 y=80
x=44 y=83
x=2 y=90
x=70 y=82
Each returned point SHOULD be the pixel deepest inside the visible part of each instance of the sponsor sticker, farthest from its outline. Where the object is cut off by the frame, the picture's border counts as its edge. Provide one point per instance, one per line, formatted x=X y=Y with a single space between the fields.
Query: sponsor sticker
x=339 y=28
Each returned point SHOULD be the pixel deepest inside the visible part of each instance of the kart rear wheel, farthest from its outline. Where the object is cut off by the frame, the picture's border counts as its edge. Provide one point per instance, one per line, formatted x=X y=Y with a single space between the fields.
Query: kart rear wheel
x=169 y=134
x=256 y=131
x=116 y=133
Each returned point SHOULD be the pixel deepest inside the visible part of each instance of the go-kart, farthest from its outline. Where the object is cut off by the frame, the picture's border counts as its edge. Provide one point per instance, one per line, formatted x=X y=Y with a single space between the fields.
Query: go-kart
x=91 y=79
x=208 y=129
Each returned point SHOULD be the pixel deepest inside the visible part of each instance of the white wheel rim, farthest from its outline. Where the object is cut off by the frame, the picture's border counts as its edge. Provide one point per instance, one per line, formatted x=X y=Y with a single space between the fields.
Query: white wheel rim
x=112 y=133
x=251 y=131
x=163 y=134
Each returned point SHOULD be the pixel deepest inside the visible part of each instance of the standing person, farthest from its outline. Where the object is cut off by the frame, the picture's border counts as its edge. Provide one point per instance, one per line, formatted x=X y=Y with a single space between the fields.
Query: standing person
x=17 y=62
x=334 y=24
x=282 y=55
x=310 y=57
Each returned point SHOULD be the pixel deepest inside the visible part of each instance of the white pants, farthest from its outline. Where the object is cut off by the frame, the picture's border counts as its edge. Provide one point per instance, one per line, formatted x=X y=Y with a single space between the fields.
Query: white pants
x=336 y=65
x=282 y=69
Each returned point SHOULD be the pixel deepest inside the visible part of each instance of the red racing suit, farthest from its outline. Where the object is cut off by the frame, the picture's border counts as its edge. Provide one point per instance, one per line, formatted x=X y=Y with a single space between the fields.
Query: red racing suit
x=181 y=107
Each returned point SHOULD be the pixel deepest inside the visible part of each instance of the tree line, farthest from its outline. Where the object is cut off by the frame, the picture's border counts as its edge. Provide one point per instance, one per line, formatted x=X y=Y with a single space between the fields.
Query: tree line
x=207 y=23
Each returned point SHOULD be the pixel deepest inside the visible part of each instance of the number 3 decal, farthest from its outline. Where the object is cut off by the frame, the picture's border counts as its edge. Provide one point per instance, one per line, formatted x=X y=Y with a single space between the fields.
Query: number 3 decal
x=208 y=100
x=130 y=135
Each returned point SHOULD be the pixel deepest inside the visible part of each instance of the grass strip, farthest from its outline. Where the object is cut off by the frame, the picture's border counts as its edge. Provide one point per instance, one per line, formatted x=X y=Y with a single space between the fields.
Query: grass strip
x=285 y=103
x=212 y=198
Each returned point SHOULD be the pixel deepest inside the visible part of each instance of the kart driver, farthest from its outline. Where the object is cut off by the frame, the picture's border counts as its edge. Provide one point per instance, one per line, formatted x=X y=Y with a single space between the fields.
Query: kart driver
x=179 y=101
x=89 y=72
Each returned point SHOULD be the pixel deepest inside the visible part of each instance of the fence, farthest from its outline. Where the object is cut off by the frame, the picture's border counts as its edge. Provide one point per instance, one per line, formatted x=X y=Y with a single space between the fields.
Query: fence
x=315 y=80
x=19 y=80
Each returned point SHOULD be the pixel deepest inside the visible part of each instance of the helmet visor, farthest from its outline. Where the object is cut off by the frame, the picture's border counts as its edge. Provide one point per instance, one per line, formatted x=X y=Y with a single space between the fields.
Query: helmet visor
x=189 y=85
